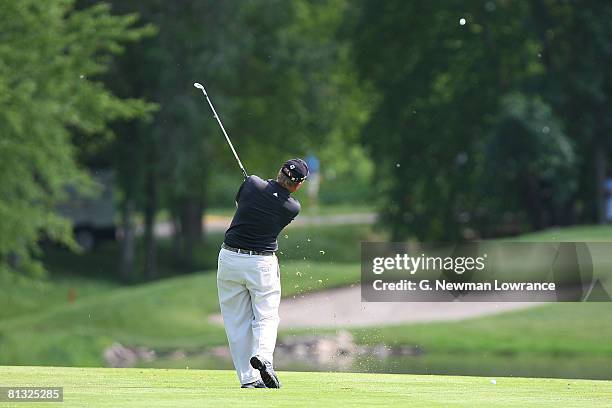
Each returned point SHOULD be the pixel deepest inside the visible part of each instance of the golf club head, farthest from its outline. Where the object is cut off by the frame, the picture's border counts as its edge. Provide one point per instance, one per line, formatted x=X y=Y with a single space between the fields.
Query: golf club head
x=200 y=86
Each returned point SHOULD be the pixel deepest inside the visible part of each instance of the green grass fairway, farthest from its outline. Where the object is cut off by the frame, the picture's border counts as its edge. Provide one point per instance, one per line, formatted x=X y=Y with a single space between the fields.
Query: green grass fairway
x=103 y=387
x=579 y=233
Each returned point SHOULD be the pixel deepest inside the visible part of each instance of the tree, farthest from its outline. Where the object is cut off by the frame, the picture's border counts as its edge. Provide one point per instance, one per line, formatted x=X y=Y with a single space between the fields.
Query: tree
x=279 y=79
x=164 y=163
x=50 y=58
x=444 y=112
x=576 y=53
x=436 y=83
x=530 y=163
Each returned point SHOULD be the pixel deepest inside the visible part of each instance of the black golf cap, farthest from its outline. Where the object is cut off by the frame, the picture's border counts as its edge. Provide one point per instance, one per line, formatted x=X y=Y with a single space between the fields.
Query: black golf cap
x=296 y=170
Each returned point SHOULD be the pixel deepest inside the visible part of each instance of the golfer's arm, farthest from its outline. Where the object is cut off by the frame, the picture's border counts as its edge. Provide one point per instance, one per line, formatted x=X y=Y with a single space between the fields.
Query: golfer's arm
x=239 y=191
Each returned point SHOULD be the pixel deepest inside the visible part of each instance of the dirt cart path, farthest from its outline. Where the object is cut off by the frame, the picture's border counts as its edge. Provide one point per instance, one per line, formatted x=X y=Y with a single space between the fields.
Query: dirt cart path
x=215 y=223
x=343 y=308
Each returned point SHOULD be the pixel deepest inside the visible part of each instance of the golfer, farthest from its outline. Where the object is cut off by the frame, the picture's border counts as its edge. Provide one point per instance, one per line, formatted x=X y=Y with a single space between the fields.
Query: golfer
x=248 y=275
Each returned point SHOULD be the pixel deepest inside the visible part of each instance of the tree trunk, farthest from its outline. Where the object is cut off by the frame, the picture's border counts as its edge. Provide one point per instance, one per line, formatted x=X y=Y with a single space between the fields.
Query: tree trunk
x=600 y=179
x=150 y=247
x=191 y=227
x=127 y=243
x=176 y=235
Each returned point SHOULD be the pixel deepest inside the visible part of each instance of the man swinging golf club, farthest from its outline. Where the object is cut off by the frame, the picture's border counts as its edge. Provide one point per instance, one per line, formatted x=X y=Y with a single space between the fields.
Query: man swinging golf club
x=248 y=275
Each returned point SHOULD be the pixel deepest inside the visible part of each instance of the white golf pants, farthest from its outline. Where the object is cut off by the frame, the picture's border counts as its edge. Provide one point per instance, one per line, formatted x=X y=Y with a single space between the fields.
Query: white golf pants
x=249 y=295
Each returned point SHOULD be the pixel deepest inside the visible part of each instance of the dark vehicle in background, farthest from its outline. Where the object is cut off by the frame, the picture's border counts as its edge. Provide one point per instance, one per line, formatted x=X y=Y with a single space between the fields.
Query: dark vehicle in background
x=93 y=216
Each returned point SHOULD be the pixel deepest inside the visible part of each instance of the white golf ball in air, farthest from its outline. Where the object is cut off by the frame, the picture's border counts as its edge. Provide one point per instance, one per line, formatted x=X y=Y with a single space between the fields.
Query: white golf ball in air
x=462 y=21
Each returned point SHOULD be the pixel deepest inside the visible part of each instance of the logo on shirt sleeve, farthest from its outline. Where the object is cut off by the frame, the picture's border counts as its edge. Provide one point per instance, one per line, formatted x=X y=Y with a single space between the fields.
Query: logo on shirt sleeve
x=275 y=195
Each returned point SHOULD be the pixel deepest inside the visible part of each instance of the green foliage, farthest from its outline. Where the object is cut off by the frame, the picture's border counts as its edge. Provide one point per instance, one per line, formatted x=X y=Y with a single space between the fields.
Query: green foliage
x=529 y=160
x=299 y=91
x=442 y=89
x=341 y=244
x=433 y=87
x=49 y=57
x=280 y=82
x=324 y=243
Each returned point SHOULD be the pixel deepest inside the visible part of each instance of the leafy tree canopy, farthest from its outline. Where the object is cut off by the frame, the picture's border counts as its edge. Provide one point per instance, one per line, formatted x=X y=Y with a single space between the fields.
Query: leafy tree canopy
x=50 y=57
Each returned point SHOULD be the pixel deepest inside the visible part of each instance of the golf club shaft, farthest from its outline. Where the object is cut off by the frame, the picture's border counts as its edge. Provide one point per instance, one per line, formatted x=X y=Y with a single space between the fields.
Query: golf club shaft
x=201 y=87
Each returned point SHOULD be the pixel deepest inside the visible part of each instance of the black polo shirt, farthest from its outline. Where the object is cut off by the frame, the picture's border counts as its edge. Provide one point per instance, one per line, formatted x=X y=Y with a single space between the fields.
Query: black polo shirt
x=264 y=209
